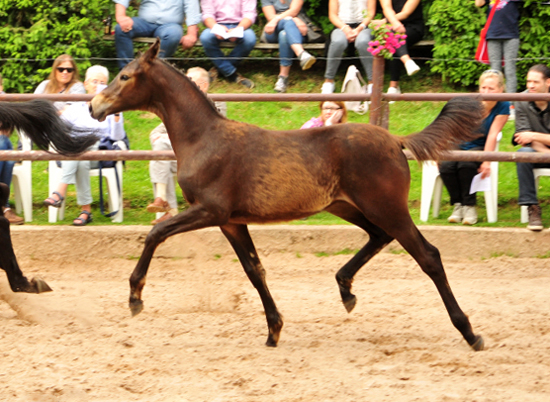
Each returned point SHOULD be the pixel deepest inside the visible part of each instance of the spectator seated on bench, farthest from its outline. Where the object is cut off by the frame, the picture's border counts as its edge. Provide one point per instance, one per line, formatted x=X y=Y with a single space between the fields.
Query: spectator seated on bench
x=290 y=32
x=229 y=20
x=156 y=18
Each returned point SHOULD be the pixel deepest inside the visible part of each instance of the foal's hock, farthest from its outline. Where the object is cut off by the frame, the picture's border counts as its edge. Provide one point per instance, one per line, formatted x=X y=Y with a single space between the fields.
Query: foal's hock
x=233 y=174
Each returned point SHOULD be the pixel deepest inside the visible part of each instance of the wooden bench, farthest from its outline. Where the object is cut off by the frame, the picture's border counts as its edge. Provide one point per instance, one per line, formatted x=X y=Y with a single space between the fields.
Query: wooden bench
x=261 y=45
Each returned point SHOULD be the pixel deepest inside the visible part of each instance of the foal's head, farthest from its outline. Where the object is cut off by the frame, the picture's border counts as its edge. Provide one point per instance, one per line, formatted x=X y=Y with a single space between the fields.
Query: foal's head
x=136 y=86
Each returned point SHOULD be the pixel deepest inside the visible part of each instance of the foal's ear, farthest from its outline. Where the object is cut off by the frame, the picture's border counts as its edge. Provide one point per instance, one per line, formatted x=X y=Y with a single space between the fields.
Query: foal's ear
x=152 y=52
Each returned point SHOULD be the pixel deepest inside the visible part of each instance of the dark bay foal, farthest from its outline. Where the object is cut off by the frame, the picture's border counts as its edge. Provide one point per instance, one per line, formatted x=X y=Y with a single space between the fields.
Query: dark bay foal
x=233 y=174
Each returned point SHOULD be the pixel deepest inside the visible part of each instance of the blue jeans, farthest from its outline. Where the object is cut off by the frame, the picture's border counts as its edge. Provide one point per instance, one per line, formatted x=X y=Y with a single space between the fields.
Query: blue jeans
x=286 y=34
x=527 y=189
x=169 y=34
x=6 y=167
x=227 y=65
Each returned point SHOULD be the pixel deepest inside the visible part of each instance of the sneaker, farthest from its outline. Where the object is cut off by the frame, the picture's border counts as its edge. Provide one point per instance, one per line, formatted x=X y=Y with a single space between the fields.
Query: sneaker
x=244 y=81
x=159 y=205
x=512 y=116
x=281 y=84
x=163 y=218
x=457 y=215
x=393 y=90
x=411 y=67
x=306 y=60
x=12 y=218
x=470 y=215
x=327 y=88
x=535 y=218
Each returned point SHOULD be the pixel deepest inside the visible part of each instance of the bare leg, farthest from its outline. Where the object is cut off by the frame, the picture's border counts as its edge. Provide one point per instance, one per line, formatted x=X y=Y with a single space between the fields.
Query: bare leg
x=297 y=48
x=240 y=239
x=196 y=217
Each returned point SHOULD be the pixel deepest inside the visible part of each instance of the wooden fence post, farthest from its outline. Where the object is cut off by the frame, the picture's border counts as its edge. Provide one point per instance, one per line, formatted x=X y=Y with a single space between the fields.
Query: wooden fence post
x=379 y=111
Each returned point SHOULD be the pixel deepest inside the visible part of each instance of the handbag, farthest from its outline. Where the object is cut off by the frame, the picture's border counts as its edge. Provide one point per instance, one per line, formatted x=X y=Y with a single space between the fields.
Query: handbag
x=355 y=84
x=482 y=55
x=314 y=33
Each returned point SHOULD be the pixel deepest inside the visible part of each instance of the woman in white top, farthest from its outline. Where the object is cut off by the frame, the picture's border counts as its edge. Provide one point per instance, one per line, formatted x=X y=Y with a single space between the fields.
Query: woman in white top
x=78 y=172
x=63 y=79
x=351 y=19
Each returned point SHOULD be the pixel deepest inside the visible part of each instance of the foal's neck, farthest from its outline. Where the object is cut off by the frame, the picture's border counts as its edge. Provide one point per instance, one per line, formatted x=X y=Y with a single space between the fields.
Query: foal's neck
x=182 y=106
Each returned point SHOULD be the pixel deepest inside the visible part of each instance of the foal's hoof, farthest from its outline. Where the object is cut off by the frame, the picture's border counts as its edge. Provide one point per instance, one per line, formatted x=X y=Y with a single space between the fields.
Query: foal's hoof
x=136 y=306
x=349 y=304
x=39 y=286
x=479 y=344
x=271 y=342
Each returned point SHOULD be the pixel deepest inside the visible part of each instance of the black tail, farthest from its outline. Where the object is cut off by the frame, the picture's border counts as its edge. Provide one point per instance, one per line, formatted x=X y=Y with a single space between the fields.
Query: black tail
x=458 y=121
x=40 y=121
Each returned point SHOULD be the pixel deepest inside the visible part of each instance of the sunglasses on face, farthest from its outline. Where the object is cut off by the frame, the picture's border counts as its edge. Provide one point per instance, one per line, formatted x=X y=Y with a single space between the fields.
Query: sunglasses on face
x=67 y=69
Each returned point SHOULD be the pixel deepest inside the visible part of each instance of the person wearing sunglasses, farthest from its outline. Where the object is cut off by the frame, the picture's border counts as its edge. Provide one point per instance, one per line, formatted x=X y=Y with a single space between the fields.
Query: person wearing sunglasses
x=78 y=171
x=63 y=79
x=331 y=113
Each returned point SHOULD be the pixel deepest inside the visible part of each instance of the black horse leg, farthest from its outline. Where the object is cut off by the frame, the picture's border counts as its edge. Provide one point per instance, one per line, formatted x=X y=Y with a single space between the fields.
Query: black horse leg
x=378 y=240
x=18 y=282
x=240 y=239
x=196 y=217
x=8 y=262
x=429 y=259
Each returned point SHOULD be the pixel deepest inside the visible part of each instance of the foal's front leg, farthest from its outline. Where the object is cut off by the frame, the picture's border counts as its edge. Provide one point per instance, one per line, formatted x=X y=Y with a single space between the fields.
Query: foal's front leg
x=240 y=239
x=196 y=217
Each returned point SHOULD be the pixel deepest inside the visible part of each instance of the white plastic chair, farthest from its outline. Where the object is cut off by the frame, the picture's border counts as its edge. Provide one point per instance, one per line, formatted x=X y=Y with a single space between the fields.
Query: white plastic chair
x=537 y=173
x=115 y=196
x=22 y=182
x=432 y=188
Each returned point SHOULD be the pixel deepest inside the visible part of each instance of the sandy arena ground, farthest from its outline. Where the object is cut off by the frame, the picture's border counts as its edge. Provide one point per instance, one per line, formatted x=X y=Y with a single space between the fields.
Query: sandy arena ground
x=201 y=335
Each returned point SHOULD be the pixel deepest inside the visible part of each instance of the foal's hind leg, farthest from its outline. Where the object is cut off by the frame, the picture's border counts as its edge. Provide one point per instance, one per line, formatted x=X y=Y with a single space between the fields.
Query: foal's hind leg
x=196 y=217
x=240 y=239
x=377 y=241
x=429 y=259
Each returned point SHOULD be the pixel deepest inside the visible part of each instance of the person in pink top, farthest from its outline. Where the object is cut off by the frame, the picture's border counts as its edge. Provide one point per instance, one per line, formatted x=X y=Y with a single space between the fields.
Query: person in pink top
x=229 y=20
x=331 y=113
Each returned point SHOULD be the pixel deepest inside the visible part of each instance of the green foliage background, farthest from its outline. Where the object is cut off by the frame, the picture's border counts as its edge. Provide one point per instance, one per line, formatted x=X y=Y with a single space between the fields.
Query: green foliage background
x=455 y=26
x=34 y=32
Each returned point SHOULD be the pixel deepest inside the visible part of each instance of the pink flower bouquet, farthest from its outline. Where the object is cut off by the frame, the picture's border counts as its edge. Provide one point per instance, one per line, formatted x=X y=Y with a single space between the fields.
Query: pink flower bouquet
x=385 y=42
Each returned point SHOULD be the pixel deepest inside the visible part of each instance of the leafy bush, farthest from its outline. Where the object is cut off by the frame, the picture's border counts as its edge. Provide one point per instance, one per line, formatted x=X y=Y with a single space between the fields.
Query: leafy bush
x=456 y=25
x=42 y=30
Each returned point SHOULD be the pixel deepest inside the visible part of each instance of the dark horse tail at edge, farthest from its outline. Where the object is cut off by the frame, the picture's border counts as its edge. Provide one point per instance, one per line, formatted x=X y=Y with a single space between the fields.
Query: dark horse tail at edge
x=40 y=121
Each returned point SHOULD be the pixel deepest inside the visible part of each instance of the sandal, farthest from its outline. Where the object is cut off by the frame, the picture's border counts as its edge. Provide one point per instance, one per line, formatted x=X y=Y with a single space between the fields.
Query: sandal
x=83 y=222
x=52 y=202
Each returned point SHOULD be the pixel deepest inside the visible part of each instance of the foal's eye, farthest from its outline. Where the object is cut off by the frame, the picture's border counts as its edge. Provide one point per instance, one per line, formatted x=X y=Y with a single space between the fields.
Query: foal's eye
x=124 y=77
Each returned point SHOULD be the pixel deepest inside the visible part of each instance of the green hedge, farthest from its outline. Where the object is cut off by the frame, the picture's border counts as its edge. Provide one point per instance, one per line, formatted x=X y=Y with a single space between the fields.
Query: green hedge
x=34 y=32
x=455 y=26
x=42 y=30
